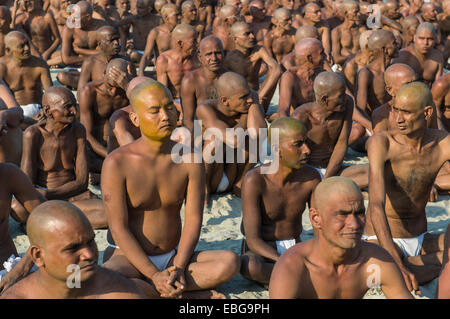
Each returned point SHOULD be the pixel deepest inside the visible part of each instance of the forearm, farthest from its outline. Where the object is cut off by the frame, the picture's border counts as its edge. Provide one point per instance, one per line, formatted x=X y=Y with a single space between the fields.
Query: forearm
x=336 y=160
x=361 y=118
x=14 y=116
x=261 y=248
x=96 y=146
x=188 y=241
x=270 y=82
x=67 y=190
x=82 y=51
x=52 y=48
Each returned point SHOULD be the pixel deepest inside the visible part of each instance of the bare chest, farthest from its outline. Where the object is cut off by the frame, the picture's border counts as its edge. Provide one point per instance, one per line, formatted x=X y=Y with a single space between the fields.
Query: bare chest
x=85 y=39
x=58 y=152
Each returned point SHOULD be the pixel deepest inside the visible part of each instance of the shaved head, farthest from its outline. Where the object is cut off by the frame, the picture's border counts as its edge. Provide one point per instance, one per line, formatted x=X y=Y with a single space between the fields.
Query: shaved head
x=399 y=73
x=207 y=40
x=281 y=12
x=237 y=27
x=306 y=31
x=137 y=81
x=327 y=83
x=257 y=3
x=408 y=21
x=168 y=8
x=332 y=187
x=426 y=26
x=119 y=63
x=311 y=6
x=159 y=4
x=348 y=5
x=285 y=126
x=307 y=46
x=229 y=82
x=180 y=32
x=228 y=11
x=85 y=7
x=105 y=31
x=50 y=218
x=186 y=5
x=12 y=37
x=379 y=39
x=416 y=94
x=56 y=93
x=141 y=91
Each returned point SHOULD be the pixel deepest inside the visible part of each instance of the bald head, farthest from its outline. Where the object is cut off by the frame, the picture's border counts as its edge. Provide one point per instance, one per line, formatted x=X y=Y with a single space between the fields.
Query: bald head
x=409 y=21
x=307 y=46
x=229 y=83
x=4 y=11
x=85 y=7
x=182 y=31
x=56 y=93
x=426 y=27
x=237 y=28
x=348 y=5
x=258 y=4
x=12 y=37
x=379 y=39
x=415 y=94
x=168 y=9
x=334 y=187
x=207 y=41
x=397 y=75
x=142 y=91
x=310 y=7
x=119 y=63
x=228 y=11
x=105 y=31
x=286 y=126
x=137 y=81
x=281 y=13
x=327 y=83
x=306 y=31
x=187 y=5
x=51 y=218
x=159 y=4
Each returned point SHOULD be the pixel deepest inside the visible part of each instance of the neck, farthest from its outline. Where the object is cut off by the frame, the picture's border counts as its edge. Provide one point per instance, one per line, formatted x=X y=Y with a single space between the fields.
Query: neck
x=334 y=255
x=58 y=288
x=108 y=57
x=349 y=23
x=415 y=139
x=323 y=110
x=55 y=127
x=185 y=20
x=423 y=56
x=156 y=147
x=210 y=75
x=380 y=63
x=283 y=174
x=305 y=71
x=245 y=51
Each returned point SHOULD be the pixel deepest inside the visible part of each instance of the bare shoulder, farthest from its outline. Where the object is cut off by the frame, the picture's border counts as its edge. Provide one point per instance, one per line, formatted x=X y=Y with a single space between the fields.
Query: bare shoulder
x=311 y=174
x=119 y=114
x=206 y=108
x=302 y=112
x=375 y=254
x=436 y=56
x=21 y=289
x=294 y=259
x=114 y=285
x=380 y=139
x=254 y=177
x=443 y=83
x=79 y=129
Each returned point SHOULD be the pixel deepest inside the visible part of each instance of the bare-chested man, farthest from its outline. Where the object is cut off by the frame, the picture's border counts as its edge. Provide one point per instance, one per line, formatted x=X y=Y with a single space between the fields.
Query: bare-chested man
x=280 y=40
x=205 y=13
x=60 y=237
x=246 y=59
x=345 y=37
x=228 y=15
x=147 y=226
x=336 y=263
x=426 y=61
x=409 y=27
x=78 y=42
x=54 y=157
x=40 y=26
x=235 y=107
x=443 y=289
x=328 y=121
x=173 y=64
x=357 y=62
x=296 y=84
x=200 y=84
x=371 y=91
x=94 y=67
x=5 y=27
x=313 y=17
x=98 y=100
x=441 y=97
x=26 y=75
x=159 y=38
x=189 y=15
x=428 y=13
x=261 y=22
x=143 y=22
x=402 y=170
x=19 y=186
x=272 y=204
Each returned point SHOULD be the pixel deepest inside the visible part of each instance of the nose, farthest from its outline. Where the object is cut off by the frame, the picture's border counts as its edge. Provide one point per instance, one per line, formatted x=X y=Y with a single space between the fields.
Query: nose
x=353 y=222
x=87 y=253
x=305 y=149
x=399 y=117
x=164 y=115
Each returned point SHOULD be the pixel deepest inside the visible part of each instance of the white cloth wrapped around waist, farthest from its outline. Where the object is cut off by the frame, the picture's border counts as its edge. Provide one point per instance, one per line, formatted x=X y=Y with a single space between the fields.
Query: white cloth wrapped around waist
x=30 y=110
x=9 y=264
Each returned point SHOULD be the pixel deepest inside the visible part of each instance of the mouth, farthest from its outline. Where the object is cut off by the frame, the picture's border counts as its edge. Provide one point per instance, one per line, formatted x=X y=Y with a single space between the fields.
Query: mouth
x=89 y=267
x=401 y=127
x=356 y=235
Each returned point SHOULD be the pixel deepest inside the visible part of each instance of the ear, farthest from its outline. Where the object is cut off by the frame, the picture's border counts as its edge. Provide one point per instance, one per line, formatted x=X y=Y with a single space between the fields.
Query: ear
x=224 y=100
x=428 y=111
x=274 y=21
x=389 y=90
x=309 y=58
x=315 y=218
x=179 y=43
x=36 y=255
x=134 y=118
x=324 y=99
x=46 y=109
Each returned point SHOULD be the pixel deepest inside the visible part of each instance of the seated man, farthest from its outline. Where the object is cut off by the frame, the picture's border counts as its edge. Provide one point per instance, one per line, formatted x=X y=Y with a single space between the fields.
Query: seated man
x=426 y=61
x=260 y=23
x=66 y=176
x=280 y=40
x=246 y=59
x=173 y=64
x=20 y=188
x=235 y=107
x=122 y=131
x=200 y=84
x=272 y=204
x=189 y=16
x=26 y=75
x=78 y=42
x=441 y=98
x=41 y=27
x=60 y=238
x=98 y=100
x=228 y=15
x=296 y=84
x=159 y=38
x=143 y=209
x=409 y=26
x=328 y=121
x=205 y=13
x=336 y=263
x=403 y=167
x=11 y=118
x=5 y=27
x=94 y=66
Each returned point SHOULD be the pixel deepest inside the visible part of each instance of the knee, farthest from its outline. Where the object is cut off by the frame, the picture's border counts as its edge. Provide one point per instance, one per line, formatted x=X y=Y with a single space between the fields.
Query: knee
x=229 y=266
x=250 y=265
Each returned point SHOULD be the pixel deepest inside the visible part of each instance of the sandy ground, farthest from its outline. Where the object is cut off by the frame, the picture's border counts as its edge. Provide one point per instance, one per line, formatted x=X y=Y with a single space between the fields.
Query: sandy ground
x=221 y=230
